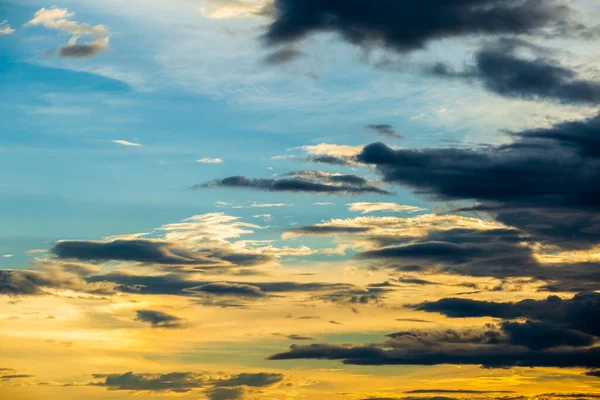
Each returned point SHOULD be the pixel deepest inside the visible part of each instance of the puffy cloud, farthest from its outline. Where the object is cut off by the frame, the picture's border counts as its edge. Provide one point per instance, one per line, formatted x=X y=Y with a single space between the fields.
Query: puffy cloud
x=61 y=19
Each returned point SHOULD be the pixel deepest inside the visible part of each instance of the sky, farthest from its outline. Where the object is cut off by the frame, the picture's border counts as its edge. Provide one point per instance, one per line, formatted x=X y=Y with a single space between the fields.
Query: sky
x=300 y=199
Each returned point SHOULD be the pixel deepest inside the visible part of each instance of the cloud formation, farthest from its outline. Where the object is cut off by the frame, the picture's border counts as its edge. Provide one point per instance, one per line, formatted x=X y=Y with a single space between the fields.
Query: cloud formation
x=408 y=26
x=540 y=183
x=159 y=319
x=369 y=207
x=61 y=19
x=515 y=68
x=316 y=182
x=126 y=143
x=384 y=130
x=5 y=28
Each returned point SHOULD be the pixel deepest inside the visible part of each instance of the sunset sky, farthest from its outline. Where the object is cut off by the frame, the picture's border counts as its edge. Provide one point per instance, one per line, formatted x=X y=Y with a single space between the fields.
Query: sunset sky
x=300 y=199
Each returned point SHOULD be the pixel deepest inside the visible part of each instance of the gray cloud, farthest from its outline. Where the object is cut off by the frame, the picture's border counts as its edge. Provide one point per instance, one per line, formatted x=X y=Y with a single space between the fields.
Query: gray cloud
x=316 y=182
x=159 y=319
x=384 y=130
x=406 y=26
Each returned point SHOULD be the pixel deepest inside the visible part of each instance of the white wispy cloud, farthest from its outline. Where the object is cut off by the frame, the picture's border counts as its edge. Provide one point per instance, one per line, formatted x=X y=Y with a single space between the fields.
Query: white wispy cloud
x=5 y=28
x=126 y=143
x=209 y=160
x=369 y=207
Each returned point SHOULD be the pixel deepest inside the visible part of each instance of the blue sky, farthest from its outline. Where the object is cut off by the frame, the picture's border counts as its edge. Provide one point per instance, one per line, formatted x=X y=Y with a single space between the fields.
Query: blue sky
x=148 y=147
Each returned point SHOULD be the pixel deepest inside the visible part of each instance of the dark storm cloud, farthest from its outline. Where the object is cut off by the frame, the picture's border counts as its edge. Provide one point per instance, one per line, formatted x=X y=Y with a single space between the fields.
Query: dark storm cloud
x=555 y=333
x=303 y=182
x=499 y=356
x=544 y=183
x=409 y=25
x=502 y=70
x=154 y=252
x=384 y=130
x=582 y=312
x=159 y=319
x=283 y=56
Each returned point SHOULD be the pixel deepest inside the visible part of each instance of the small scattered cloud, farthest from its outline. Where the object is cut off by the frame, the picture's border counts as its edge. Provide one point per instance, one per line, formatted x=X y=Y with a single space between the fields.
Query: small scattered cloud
x=384 y=130
x=5 y=28
x=126 y=143
x=283 y=56
x=209 y=160
x=159 y=319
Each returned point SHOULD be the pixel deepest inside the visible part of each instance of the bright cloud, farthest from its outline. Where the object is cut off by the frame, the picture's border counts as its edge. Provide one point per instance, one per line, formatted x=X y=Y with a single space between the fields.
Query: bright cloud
x=368 y=207
x=209 y=160
x=126 y=143
x=61 y=19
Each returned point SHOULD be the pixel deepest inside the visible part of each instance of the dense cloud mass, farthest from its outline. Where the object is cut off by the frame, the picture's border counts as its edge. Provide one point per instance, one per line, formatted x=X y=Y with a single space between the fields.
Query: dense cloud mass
x=155 y=252
x=582 y=312
x=177 y=285
x=28 y=283
x=184 y=382
x=302 y=181
x=544 y=183
x=515 y=68
x=409 y=25
x=555 y=333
